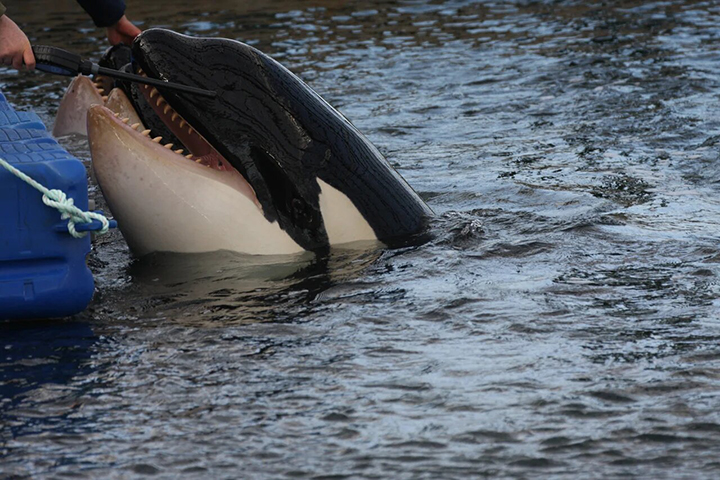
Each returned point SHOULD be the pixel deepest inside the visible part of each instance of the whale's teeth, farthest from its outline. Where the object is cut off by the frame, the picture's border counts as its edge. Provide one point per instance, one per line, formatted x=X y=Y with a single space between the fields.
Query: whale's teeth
x=190 y=130
x=190 y=156
x=104 y=99
x=179 y=151
x=167 y=107
x=126 y=120
x=157 y=139
x=168 y=146
x=182 y=123
x=116 y=114
x=153 y=92
x=146 y=132
x=174 y=116
x=135 y=125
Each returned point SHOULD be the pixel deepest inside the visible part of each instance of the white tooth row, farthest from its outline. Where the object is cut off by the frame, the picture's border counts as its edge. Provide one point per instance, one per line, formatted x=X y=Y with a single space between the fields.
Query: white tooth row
x=146 y=133
x=154 y=91
x=100 y=88
x=174 y=116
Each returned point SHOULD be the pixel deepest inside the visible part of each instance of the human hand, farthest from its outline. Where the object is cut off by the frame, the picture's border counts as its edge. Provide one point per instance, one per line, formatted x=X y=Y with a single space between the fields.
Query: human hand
x=15 y=47
x=122 y=32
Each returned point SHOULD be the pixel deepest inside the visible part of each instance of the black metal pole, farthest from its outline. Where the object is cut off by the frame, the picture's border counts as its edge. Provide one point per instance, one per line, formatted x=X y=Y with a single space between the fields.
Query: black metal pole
x=154 y=82
x=61 y=62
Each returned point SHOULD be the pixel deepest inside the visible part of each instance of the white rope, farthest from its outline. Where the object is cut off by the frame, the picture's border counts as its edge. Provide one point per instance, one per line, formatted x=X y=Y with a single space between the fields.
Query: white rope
x=59 y=201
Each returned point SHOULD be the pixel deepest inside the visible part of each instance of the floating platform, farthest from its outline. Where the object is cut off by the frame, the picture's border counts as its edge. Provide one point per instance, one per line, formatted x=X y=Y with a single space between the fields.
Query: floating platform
x=43 y=273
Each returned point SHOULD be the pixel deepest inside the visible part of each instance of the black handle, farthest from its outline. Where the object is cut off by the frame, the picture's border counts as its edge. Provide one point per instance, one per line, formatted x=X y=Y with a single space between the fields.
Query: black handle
x=56 y=60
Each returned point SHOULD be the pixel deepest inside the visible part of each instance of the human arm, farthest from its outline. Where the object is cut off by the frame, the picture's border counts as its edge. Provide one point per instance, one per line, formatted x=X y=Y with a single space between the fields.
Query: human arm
x=110 y=14
x=15 y=47
x=122 y=32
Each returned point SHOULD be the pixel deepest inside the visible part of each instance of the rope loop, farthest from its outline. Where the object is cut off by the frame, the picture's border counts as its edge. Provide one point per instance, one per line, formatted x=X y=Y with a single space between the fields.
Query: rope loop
x=58 y=200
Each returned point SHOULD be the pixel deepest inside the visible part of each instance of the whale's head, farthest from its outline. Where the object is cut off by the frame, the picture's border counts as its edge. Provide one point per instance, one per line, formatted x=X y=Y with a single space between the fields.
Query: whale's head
x=301 y=176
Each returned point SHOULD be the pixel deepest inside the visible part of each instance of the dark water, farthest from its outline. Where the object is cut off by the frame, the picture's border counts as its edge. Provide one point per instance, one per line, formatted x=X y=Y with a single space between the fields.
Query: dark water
x=562 y=323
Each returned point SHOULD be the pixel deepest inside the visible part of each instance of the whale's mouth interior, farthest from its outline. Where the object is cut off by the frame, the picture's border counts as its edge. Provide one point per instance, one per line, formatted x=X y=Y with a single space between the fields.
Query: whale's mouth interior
x=199 y=150
x=103 y=85
x=196 y=148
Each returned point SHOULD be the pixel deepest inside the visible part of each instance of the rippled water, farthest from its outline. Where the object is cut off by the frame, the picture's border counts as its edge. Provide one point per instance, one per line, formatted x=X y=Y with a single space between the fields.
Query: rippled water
x=562 y=322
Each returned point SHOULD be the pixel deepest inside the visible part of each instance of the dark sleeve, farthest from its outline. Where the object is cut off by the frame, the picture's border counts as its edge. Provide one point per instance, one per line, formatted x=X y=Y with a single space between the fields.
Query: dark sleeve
x=104 y=12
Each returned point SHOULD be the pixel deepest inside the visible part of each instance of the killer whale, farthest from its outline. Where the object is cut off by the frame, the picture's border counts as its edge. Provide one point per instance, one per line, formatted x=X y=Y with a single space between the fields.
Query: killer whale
x=272 y=167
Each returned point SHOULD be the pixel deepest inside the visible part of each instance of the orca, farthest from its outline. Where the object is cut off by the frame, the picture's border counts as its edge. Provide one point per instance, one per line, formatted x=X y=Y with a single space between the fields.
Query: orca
x=265 y=167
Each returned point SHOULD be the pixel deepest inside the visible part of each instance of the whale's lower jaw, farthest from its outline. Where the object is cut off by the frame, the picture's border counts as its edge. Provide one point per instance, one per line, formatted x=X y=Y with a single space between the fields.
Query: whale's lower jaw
x=71 y=117
x=165 y=202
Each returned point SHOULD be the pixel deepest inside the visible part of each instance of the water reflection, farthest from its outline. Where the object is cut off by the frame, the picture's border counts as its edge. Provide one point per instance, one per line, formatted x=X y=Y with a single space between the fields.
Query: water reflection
x=39 y=365
x=234 y=288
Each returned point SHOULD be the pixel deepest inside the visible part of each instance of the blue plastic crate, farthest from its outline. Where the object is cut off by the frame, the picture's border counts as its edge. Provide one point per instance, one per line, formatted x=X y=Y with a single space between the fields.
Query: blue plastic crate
x=42 y=267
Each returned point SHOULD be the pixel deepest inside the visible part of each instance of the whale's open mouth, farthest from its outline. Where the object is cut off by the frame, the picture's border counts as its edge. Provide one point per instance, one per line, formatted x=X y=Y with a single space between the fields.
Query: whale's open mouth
x=103 y=85
x=197 y=151
x=169 y=199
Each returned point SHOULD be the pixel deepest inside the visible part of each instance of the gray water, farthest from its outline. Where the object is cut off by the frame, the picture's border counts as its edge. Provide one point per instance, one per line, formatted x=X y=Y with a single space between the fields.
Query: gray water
x=562 y=322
